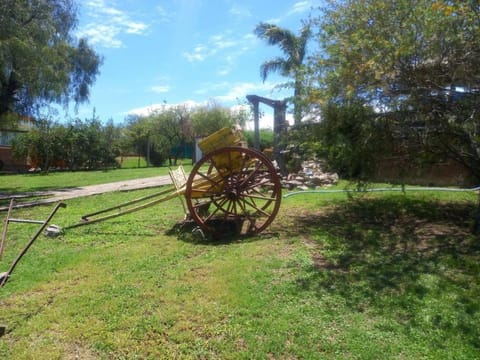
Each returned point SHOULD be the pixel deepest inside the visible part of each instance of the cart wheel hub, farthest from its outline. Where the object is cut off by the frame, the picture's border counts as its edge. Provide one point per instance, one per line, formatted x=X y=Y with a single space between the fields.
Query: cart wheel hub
x=232 y=195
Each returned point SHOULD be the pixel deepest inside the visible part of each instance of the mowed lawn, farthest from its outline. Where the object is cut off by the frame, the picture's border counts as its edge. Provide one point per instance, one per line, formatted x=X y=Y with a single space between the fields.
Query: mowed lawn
x=383 y=276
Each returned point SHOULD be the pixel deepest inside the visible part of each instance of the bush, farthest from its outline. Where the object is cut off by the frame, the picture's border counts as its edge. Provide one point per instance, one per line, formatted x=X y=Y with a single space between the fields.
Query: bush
x=78 y=145
x=266 y=138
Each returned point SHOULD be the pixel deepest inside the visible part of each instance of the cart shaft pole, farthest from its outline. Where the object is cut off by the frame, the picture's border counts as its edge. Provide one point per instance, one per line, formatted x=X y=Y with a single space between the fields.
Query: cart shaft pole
x=127 y=203
x=87 y=221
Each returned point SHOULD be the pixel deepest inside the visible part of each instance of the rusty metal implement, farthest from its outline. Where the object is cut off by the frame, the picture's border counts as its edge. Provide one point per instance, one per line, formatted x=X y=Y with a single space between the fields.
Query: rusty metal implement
x=43 y=224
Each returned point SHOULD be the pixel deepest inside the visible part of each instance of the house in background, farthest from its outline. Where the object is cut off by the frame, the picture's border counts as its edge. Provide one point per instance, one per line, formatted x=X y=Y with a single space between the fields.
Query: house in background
x=7 y=162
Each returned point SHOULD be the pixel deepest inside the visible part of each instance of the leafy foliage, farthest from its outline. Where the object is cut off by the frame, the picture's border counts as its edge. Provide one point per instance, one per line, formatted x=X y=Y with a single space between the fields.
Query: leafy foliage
x=266 y=138
x=418 y=60
x=208 y=119
x=170 y=129
x=78 y=145
x=292 y=65
x=349 y=137
x=352 y=140
x=40 y=61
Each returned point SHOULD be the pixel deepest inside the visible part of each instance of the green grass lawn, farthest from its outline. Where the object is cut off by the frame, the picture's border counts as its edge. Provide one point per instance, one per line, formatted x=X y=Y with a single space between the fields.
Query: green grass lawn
x=130 y=162
x=377 y=276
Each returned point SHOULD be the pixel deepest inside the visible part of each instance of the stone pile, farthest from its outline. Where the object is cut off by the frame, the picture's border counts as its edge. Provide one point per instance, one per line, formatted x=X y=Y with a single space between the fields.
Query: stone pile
x=311 y=176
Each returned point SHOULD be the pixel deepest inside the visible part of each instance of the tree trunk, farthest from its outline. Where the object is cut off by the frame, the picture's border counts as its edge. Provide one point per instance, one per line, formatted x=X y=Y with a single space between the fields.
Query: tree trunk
x=297 y=110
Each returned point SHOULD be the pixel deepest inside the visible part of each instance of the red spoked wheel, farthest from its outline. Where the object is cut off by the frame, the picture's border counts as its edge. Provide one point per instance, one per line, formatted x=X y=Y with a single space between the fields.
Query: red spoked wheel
x=234 y=184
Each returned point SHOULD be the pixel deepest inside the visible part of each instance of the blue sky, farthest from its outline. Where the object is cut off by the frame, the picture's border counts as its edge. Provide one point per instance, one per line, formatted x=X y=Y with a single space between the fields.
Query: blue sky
x=181 y=51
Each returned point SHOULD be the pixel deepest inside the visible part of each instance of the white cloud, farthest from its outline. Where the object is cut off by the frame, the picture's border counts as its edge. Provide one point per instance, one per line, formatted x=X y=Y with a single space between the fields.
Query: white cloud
x=160 y=89
x=240 y=11
x=220 y=42
x=266 y=120
x=274 y=21
x=104 y=35
x=135 y=28
x=301 y=6
x=154 y=108
x=217 y=43
x=249 y=37
x=297 y=8
x=164 y=15
x=199 y=54
x=228 y=66
x=224 y=71
x=231 y=92
x=226 y=49
x=107 y=24
x=241 y=90
x=146 y=110
x=208 y=88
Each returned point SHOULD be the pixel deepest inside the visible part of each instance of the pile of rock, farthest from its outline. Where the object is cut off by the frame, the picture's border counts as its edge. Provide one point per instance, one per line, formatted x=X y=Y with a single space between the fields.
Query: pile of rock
x=310 y=177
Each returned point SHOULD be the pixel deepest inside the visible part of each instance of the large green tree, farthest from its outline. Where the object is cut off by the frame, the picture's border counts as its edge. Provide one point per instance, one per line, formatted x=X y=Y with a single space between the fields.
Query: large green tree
x=212 y=117
x=416 y=61
x=291 y=65
x=169 y=132
x=40 y=60
x=172 y=131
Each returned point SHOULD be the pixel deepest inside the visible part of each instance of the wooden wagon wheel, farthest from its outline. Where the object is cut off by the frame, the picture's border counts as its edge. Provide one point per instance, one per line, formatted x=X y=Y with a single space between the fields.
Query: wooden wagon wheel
x=234 y=184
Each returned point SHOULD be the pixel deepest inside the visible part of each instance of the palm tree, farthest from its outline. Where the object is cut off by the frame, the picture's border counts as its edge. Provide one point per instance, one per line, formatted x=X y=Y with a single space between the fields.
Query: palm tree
x=294 y=48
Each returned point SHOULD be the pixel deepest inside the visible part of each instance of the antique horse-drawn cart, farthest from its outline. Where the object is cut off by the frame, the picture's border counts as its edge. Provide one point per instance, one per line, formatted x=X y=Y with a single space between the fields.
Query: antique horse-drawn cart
x=231 y=184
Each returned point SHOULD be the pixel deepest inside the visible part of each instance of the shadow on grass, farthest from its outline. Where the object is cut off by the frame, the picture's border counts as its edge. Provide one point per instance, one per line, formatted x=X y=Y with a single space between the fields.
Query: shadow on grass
x=226 y=232
x=411 y=259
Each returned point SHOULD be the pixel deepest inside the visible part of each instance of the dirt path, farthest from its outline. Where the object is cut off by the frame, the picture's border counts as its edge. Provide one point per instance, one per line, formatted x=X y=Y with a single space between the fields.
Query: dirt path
x=70 y=193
